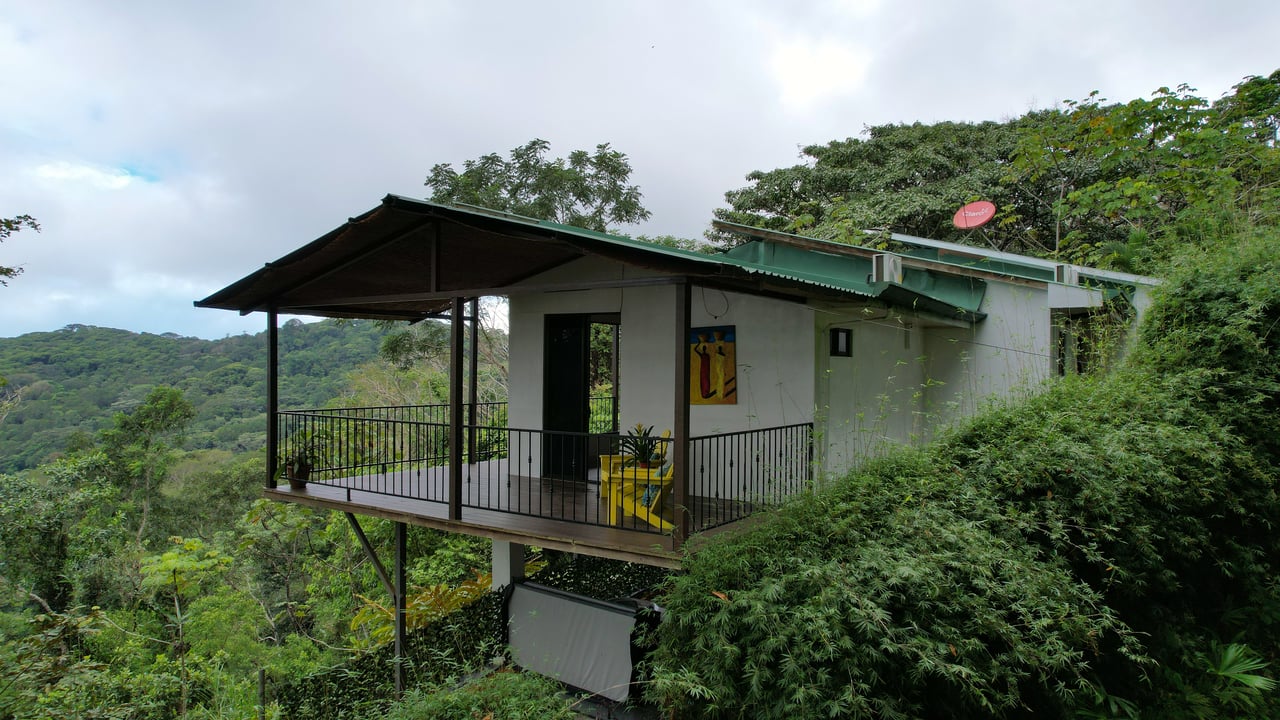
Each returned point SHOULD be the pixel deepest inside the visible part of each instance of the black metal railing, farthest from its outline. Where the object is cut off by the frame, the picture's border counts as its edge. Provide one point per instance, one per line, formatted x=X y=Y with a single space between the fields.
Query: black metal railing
x=587 y=478
x=386 y=450
x=487 y=414
x=603 y=413
x=736 y=474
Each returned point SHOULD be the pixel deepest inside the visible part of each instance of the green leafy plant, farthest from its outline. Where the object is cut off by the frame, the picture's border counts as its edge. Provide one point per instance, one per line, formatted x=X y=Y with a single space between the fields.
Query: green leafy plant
x=640 y=444
x=503 y=695
x=1239 y=664
x=299 y=465
x=423 y=606
x=448 y=648
x=1109 y=527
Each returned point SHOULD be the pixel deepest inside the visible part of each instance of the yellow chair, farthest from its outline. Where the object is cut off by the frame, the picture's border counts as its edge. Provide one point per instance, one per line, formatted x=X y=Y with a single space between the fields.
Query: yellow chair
x=641 y=493
x=635 y=490
x=611 y=466
x=610 y=472
x=660 y=450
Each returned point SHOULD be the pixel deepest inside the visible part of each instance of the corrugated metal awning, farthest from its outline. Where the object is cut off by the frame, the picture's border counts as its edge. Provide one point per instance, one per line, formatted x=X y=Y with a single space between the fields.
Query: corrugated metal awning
x=406 y=259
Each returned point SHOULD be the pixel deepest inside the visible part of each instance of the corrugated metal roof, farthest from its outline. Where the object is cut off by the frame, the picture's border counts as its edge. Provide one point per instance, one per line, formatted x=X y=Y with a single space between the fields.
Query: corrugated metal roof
x=952 y=295
x=405 y=258
x=940 y=256
x=1007 y=263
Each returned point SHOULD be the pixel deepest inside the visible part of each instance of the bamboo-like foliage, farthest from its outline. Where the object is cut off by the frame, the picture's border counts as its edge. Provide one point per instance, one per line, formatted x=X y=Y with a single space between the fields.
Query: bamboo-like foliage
x=1106 y=548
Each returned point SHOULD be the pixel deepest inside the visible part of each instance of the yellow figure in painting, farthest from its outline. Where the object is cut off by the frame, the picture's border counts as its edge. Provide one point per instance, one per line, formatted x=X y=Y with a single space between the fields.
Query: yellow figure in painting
x=712 y=366
x=717 y=364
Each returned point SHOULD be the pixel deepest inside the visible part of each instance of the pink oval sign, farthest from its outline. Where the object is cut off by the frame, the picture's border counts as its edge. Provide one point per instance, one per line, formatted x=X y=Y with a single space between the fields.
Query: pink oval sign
x=975 y=214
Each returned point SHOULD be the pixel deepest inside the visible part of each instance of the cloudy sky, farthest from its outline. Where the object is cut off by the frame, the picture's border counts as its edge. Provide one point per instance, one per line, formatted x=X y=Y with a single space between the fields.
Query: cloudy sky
x=168 y=148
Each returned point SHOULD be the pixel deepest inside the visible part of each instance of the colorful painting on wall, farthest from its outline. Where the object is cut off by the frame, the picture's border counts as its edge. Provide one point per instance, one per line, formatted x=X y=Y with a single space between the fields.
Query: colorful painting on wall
x=713 y=366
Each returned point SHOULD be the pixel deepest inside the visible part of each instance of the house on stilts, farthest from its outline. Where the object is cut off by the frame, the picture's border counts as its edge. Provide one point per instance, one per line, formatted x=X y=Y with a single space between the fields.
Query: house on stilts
x=778 y=363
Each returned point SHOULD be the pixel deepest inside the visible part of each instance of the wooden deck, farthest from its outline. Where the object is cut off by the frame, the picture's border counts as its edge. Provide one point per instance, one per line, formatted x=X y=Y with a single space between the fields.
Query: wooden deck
x=556 y=514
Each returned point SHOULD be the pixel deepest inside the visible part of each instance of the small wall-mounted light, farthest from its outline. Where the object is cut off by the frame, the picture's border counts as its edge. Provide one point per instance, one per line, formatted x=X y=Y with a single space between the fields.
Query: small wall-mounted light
x=841 y=342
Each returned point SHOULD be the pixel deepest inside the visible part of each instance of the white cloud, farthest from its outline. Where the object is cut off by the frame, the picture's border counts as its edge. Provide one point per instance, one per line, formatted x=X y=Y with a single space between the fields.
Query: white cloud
x=189 y=143
x=854 y=9
x=101 y=178
x=140 y=284
x=809 y=72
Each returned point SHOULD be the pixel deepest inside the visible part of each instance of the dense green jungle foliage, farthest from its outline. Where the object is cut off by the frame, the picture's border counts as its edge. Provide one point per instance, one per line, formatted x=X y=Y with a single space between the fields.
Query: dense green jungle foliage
x=1106 y=548
x=140 y=576
x=460 y=644
x=71 y=381
x=135 y=583
x=500 y=695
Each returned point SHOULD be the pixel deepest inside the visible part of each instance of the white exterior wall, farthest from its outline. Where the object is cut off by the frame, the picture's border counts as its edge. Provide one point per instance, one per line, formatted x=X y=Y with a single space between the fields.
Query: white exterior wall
x=526 y=342
x=908 y=376
x=774 y=347
x=911 y=375
x=646 y=363
x=526 y=338
x=648 y=334
x=1008 y=353
x=868 y=402
x=775 y=361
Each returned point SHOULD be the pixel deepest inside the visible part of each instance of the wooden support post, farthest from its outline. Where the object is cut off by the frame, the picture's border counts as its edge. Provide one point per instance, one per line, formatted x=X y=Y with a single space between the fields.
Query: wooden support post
x=680 y=436
x=435 y=256
x=273 y=395
x=473 y=390
x=455 y=412
x=402 y=592
x=613 y=374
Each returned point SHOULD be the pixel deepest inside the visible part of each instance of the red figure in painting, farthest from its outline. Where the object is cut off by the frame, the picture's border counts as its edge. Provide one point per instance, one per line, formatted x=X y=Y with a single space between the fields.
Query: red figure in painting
x=704 y=367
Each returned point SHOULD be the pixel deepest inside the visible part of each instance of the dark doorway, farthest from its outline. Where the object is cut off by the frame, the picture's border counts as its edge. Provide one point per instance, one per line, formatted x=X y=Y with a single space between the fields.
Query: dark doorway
x=564 y=397
x=580 y=358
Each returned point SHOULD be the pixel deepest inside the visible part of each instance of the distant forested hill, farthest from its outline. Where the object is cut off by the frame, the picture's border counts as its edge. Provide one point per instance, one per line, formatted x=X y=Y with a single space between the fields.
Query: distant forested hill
x=72 y=380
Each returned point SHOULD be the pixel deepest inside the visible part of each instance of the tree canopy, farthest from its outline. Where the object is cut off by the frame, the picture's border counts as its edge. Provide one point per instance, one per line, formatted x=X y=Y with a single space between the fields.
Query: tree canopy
x=1100 y=183
x=1130 y=176
x=8 y=226
x=905 y=178
x=587 y=189
x=71 y=381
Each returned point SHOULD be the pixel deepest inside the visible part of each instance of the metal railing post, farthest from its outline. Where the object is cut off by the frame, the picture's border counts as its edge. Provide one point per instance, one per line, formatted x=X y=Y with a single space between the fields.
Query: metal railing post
x=473 y=370
x=455 y=411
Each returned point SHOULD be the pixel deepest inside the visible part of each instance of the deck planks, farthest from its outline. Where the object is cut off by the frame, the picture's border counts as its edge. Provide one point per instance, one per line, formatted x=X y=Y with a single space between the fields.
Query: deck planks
x=549 y=513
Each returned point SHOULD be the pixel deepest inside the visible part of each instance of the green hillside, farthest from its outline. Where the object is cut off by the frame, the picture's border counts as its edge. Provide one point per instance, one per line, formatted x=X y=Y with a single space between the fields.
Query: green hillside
x=72 y=380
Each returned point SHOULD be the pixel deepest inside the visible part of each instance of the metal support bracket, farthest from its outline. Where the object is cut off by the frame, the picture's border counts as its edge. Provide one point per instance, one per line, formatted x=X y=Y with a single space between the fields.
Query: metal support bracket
x=372 y=554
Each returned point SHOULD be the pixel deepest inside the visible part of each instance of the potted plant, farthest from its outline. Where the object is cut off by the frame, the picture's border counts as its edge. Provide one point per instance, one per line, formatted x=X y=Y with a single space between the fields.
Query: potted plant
x=298 y=468
x=640 y=444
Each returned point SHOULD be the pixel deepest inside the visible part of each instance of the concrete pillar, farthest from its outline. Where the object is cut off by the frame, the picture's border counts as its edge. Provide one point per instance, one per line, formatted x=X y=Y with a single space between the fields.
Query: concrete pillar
x=508 y=563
